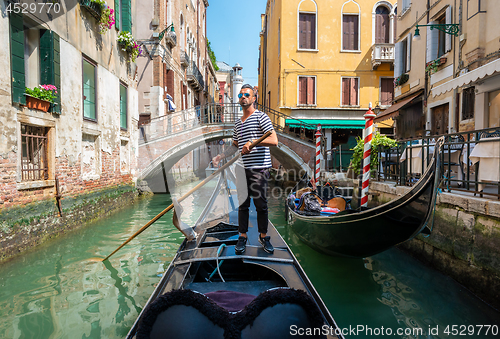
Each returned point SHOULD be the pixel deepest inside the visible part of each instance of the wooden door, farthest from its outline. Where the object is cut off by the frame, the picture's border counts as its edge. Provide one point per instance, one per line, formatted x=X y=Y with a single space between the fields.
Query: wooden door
x=494 y=109
x=439 y=123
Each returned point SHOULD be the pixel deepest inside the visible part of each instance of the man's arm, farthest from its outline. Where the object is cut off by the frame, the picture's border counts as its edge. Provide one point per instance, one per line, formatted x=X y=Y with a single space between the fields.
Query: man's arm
x=226 y=153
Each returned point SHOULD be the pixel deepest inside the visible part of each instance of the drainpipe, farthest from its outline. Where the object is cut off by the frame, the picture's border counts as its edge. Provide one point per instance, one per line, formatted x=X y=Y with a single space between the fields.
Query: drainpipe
x=264 y=71
x=426 y=86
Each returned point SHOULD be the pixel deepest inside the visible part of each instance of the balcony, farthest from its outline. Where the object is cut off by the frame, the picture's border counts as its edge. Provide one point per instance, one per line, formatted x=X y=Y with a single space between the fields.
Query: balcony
x=92 y=7
x=184 y=59
x=194 y=77
x=382 y=53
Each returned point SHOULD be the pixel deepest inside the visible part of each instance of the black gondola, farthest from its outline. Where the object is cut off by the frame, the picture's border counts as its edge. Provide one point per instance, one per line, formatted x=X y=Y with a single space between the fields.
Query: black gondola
x=210 y=292
x=364 y=232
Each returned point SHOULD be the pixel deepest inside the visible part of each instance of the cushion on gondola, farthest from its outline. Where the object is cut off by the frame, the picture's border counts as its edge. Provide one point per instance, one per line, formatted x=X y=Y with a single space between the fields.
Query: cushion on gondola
x=187 y=314
x=231 y=300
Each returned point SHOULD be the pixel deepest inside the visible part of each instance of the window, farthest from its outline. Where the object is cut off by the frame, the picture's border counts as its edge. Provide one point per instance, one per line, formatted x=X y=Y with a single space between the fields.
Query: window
x=382 y=24
x=34 y=161
x=124 y=157
x=35 y=59
x=91 y=161
x=123 y=107
x=386 y=91
x=123 y=15
x=350 y=34
x=468 y=101
x=307 y=90
x=406 y=6
x=402 y=59
x=307 y=31
x=350 y=89
x=438 y=42
x=89 y=90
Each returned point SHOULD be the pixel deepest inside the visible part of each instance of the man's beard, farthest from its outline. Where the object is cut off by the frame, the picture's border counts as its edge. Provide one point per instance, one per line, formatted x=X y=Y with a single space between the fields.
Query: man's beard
x=246 y=105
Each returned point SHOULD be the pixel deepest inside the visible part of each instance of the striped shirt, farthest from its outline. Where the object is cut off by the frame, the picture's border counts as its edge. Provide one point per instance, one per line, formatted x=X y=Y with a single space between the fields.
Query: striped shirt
x=253 y=128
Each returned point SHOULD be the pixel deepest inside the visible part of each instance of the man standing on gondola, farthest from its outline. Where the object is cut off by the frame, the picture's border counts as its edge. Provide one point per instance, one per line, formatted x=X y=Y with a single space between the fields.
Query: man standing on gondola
x=257 y=162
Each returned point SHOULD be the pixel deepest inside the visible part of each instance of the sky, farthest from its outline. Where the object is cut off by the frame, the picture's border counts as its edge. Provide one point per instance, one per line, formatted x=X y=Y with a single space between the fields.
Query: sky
x=233 y=28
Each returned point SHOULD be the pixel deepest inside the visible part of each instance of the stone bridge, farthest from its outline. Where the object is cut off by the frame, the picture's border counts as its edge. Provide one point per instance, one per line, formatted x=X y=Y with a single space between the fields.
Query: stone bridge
x=167 y=140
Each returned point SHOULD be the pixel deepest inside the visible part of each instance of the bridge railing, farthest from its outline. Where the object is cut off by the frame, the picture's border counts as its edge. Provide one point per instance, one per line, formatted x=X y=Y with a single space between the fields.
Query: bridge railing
x=197 y=116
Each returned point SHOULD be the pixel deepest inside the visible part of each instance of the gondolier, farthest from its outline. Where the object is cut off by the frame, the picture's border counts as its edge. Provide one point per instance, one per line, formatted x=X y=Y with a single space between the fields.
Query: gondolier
x=252 y=125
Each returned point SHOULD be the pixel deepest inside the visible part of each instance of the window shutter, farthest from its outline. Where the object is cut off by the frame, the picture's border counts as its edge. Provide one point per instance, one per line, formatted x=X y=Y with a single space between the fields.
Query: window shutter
x=126 y=16
x=302 y=90
x=50 y=64
x=117 y=14
x=345 y=91
x=312 y=36
x=432 y=43
x=310 y=90
x=382 y=28
x=345 y=33
x=123 y=107
x=408 y=52
x=398 y=66
x=448 y=36
x=353 y=92
x=387 y=90
x=355 y=33
x=17 y=58
x=302 y=29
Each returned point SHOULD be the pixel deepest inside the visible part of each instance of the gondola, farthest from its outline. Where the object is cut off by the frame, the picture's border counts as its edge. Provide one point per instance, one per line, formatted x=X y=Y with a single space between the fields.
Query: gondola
x=368 y=231
x=210 y=292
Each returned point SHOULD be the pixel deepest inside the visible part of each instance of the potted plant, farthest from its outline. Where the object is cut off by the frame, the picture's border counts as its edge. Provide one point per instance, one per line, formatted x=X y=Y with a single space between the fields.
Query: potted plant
x=378 y=142
x=40 y=97
x=401 y=79
x=433 y=65
x=129 y=45
x=102 y=12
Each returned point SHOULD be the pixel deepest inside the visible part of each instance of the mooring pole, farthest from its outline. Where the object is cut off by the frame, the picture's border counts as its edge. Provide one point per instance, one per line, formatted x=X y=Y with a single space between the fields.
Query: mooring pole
x=367 y=155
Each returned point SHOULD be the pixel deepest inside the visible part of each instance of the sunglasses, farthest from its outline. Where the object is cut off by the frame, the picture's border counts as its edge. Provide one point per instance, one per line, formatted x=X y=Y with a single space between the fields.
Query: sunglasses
x=247 y=95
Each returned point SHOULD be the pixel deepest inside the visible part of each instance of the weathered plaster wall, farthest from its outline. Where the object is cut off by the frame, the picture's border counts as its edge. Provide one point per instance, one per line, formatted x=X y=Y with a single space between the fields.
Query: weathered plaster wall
x=465 y=240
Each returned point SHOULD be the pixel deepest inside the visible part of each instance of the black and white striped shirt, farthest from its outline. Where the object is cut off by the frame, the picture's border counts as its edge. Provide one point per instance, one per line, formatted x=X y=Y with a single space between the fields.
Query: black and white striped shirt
x=253 y=128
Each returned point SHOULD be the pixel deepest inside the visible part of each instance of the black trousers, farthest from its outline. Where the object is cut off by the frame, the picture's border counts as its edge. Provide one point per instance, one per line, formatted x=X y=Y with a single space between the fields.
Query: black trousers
x=256 y=181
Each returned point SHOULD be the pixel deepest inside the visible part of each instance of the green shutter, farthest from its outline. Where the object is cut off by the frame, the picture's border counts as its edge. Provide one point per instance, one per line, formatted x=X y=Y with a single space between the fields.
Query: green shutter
x=123 y=107
x=17 y=58
x=117 y=14
x=126 y=16
x=50 y=64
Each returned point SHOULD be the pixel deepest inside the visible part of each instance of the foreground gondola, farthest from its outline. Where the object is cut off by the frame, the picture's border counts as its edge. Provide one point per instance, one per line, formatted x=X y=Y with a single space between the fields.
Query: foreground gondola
x=210 y=292
x=364 y=232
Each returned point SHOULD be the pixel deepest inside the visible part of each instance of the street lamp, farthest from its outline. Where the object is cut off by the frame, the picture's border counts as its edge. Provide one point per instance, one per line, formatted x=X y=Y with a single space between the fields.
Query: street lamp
x=171 y=33
x=451 y=29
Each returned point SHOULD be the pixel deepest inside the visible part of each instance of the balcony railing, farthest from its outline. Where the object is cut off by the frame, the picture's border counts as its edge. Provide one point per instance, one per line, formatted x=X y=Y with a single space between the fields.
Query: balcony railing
x=184 y=58
x=382 y=53
x=92 y=7
x=194 y=77
x=469 y=161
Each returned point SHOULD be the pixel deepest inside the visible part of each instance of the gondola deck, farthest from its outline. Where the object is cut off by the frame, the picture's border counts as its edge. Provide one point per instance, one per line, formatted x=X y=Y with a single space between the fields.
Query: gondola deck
x=255 y=271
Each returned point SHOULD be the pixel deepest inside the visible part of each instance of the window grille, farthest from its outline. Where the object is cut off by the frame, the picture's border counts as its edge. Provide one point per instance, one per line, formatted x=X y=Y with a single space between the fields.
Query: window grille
x=34 y=153
x=468 y=101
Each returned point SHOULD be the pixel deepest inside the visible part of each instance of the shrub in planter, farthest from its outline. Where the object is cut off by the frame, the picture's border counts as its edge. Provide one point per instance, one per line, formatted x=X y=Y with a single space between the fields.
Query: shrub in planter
x=128 y=44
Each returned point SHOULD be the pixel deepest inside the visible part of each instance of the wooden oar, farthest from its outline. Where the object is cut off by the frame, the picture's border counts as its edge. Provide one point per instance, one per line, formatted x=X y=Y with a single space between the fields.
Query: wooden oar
x=229 y=163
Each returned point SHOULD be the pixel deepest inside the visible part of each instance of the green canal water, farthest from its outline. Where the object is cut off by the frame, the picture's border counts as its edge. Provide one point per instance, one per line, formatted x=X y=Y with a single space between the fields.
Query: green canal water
x=57 y=292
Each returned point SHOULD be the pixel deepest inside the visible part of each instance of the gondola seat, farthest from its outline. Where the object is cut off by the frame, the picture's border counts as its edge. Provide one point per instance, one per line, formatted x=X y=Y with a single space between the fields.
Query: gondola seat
x=188 y=314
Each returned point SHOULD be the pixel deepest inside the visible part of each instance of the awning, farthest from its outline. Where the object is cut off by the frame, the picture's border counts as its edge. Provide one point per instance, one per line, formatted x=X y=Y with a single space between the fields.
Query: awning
x=327 y=123
x=393 y=111
x=467 y=78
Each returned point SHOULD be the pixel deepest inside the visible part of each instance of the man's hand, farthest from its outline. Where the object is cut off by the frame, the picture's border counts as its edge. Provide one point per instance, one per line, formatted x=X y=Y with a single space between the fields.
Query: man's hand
x=246 y=147
x=216 y=160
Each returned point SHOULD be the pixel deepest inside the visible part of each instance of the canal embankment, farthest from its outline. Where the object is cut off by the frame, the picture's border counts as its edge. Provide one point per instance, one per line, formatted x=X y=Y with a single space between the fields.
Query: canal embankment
x=465 y=239
x=24 y=227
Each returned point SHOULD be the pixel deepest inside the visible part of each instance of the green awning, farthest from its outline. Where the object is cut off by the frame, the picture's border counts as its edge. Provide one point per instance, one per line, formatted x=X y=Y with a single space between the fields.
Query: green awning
x=327 y=123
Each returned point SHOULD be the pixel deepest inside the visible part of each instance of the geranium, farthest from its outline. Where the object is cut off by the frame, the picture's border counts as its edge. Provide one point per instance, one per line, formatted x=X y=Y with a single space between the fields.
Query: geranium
x=126 y=40
x=43 y=92
x=107 y=18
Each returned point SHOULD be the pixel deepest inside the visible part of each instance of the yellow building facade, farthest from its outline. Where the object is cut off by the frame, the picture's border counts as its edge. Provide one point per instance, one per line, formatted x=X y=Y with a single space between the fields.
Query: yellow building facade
x=325 y=61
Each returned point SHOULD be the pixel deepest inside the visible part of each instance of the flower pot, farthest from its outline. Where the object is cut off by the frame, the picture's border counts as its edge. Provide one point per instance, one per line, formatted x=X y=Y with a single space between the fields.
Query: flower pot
x=35 y=103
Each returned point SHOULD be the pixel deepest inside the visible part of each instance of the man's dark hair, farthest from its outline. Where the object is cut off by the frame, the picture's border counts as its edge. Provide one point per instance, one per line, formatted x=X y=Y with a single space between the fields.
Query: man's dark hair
x=249 y=86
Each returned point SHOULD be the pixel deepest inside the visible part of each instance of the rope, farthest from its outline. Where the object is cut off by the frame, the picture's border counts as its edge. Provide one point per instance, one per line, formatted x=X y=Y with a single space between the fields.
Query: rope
x=219 y=251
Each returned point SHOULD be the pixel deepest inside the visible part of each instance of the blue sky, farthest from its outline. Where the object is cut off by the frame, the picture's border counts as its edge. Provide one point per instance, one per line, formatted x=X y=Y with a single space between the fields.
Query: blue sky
x=233 y=28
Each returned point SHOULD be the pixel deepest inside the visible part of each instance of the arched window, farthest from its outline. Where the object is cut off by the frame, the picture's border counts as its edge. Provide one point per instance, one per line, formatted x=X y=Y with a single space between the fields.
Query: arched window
x=182 y=37
x=382 y=25
x=350 y=26
x=307 y=25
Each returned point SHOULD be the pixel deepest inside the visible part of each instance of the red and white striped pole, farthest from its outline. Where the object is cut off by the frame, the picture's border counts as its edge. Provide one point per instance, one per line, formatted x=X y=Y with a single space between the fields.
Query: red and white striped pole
x=366 y=154
x=318 y=154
